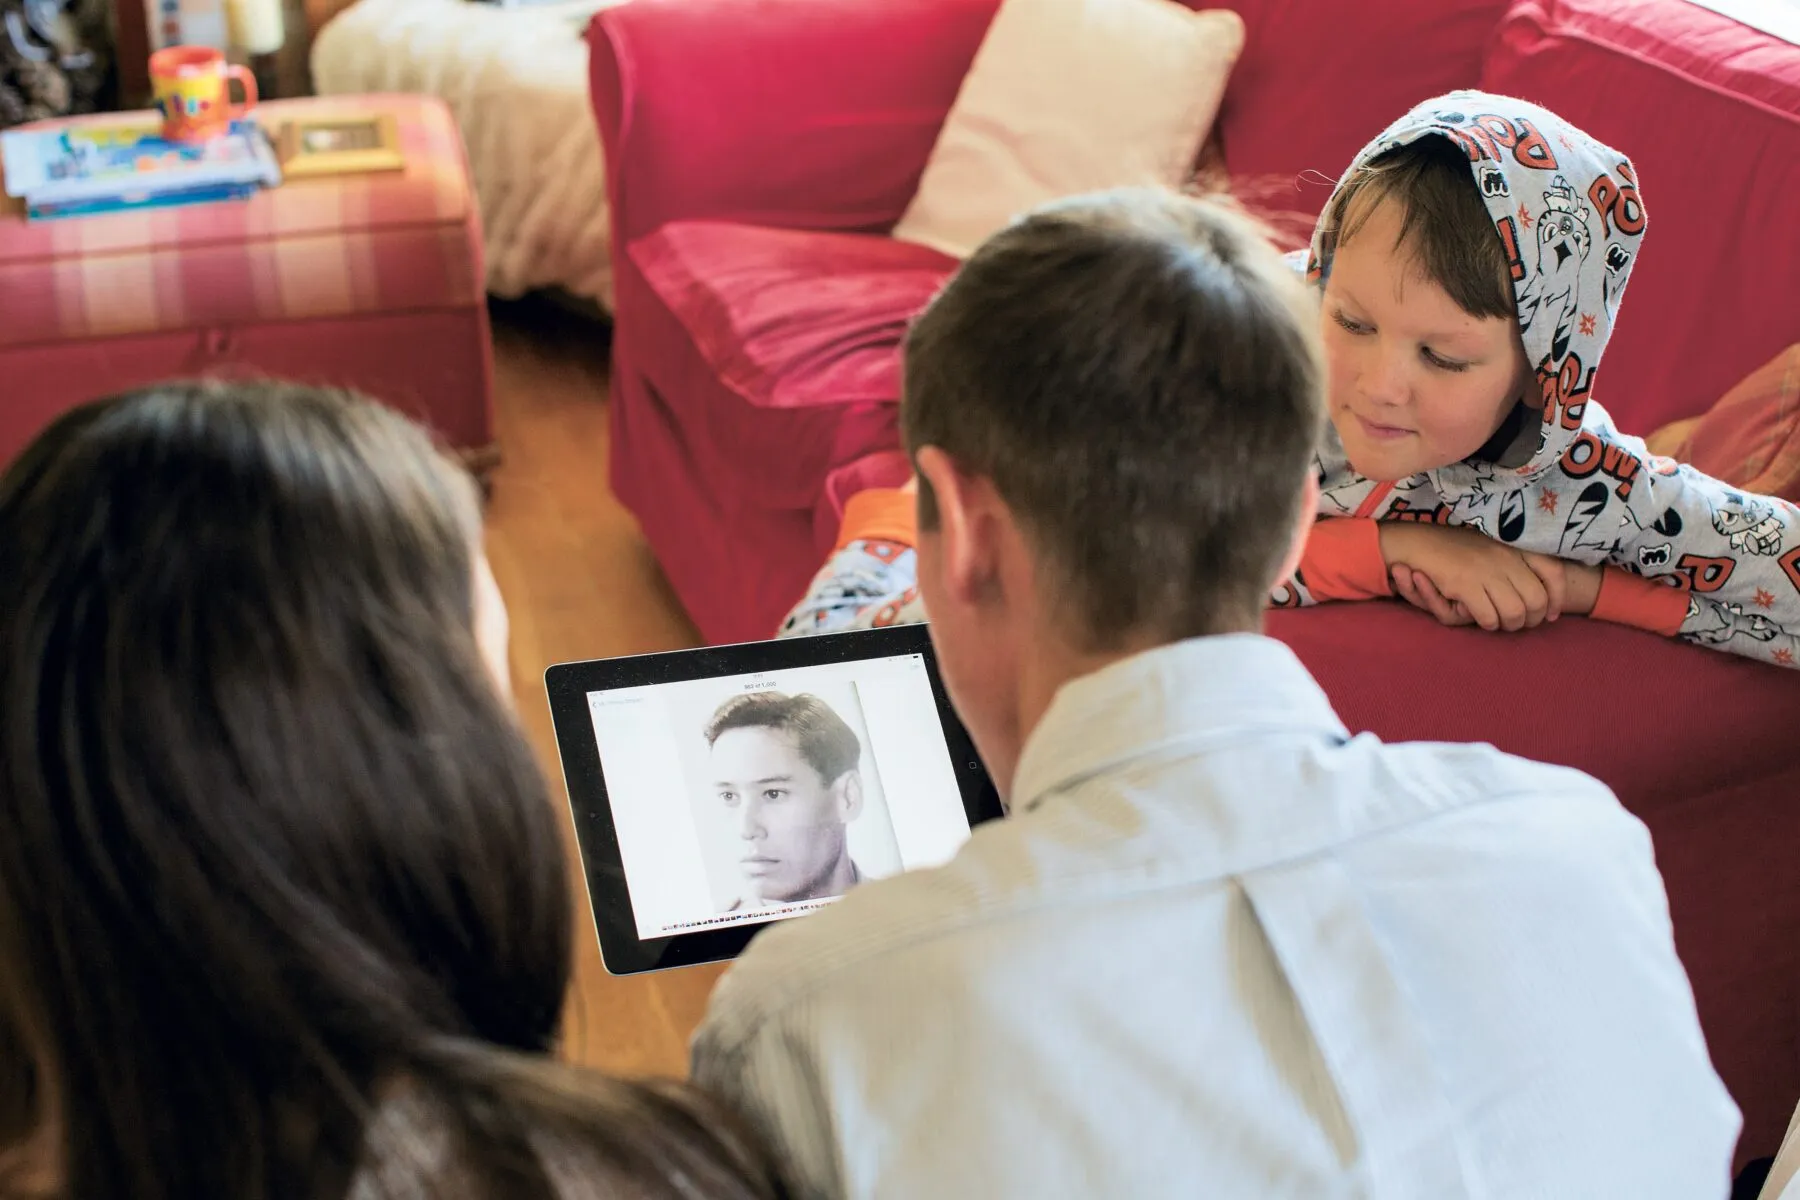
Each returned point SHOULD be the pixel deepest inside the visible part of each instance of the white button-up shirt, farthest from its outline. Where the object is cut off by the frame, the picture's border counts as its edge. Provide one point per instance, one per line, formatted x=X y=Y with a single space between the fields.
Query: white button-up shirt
x=1222 y=948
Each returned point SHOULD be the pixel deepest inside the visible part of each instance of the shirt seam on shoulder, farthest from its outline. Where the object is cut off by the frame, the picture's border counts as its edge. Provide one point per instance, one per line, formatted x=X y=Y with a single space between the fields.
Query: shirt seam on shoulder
x=767 y=1006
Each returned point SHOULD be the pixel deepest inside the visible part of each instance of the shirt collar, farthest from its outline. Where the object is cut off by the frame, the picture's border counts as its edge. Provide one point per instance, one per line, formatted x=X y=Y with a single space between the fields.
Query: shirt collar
x=1189 y=691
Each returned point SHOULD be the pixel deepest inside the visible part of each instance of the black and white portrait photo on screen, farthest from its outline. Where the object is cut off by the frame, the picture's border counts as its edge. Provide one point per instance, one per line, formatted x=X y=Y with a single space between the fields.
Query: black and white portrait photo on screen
x=788 y=800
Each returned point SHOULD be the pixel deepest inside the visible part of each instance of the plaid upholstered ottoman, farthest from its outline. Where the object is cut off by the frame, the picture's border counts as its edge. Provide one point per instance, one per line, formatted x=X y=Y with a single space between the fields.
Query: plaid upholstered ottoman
x=371 y=281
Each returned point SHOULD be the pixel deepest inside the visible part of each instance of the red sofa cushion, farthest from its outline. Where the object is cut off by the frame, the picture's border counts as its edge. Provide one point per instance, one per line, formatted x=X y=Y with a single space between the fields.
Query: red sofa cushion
x=807 y=114
x=1548 y=693
x=1709 y=111
x=1316 y=83
x=789 y=318
x=1751 y=437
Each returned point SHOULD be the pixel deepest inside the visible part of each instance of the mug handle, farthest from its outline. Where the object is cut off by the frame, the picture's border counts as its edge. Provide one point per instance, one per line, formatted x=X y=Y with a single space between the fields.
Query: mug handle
x=247 y=81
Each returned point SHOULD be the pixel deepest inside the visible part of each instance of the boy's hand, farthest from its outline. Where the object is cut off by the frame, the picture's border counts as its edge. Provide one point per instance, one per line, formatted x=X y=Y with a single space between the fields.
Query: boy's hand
x=1417 y=590
x=1581 y=593
x=1464 y=578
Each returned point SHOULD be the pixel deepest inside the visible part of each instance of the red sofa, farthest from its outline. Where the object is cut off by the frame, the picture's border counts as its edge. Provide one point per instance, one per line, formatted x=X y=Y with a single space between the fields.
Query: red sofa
x=759 y=150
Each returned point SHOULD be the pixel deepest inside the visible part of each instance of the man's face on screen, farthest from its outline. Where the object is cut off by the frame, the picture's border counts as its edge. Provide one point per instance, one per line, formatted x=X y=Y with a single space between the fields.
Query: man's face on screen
x=789 y=821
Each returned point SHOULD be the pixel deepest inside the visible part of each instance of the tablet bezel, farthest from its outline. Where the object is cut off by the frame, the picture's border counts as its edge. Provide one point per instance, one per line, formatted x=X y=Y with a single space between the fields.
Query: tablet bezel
x=609 y=898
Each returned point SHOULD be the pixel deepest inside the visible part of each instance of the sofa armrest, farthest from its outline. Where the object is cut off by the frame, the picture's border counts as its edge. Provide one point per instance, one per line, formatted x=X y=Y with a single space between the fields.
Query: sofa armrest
x=800 y=114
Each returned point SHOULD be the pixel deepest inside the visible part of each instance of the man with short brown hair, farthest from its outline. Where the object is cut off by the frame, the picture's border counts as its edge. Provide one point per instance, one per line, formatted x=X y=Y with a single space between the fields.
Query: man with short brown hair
x=1220 y=947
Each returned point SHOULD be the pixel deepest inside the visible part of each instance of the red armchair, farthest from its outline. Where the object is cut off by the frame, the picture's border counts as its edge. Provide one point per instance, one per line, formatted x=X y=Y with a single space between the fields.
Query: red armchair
x=726 y=124
x=759 y=150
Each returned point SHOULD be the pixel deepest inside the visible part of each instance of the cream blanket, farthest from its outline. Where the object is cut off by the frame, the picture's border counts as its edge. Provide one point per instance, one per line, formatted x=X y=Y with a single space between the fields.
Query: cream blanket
x=517 y=80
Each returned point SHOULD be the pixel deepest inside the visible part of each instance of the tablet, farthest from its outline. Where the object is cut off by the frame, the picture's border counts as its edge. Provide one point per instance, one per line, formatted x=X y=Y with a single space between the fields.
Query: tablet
x=717 y=790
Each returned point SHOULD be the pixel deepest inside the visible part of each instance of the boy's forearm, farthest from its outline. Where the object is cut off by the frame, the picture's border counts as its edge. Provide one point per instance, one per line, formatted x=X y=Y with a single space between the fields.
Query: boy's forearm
x=1345 y=560
x=1602 y=593
x=1626 y=599
x=1582 y=585
x=1733 y=553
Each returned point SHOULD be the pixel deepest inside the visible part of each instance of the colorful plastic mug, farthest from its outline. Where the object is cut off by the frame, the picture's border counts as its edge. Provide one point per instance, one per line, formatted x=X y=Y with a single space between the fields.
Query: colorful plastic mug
x=193 y=91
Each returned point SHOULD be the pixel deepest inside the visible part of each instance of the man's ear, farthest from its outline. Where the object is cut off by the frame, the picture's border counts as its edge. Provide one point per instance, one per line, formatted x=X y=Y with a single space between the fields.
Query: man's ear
x=850 y=795
x=1309 y=511
x=966 y=526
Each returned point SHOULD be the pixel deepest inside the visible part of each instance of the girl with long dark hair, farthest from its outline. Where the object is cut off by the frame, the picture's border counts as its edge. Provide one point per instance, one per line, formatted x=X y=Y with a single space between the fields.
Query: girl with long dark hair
x=284 y=908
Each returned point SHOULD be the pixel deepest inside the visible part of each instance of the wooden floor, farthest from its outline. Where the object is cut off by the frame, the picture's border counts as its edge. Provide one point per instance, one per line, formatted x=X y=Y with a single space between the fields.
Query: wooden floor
x=580 y=583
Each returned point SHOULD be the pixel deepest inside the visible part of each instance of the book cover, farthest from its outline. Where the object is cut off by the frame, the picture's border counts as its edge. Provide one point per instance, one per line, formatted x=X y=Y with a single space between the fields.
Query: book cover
x=206 y=194
x=59 y=167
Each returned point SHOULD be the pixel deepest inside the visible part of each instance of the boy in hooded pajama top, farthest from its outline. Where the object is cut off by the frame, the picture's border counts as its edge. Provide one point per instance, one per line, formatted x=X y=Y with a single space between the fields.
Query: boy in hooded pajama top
x=1471 y=265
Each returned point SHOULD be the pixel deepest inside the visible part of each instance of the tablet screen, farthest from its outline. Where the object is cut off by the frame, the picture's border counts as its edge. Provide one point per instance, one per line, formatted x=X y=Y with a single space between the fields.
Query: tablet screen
x=746 y=798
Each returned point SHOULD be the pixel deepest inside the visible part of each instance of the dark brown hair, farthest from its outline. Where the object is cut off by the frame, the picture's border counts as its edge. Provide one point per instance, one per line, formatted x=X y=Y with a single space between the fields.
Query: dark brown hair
x=284 y=909
x=1445 y=228
x=1138 y=374
x=828 y=745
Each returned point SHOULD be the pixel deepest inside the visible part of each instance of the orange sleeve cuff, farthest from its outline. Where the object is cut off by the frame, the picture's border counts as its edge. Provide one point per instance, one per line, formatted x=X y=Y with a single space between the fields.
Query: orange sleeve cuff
x=880 y=514
x=1627 y=599
x=1343 y=560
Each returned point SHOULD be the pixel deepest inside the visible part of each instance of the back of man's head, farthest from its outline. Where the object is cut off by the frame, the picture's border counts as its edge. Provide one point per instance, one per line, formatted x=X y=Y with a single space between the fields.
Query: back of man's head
x=1138 y=375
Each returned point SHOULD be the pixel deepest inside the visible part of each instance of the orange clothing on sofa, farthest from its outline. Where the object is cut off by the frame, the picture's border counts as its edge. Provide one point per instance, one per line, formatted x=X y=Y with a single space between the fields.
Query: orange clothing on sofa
x=873 y=570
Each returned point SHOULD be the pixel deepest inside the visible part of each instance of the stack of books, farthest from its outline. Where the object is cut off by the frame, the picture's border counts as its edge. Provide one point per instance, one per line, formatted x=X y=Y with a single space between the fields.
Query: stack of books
x=85 y=169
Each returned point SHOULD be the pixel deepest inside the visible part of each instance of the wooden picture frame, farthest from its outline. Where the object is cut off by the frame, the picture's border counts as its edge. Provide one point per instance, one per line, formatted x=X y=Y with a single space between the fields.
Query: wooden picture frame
x=309 y=147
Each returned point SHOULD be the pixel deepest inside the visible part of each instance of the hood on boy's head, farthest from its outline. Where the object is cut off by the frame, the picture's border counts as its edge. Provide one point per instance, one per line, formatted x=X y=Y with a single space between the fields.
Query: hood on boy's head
x=1568 y=215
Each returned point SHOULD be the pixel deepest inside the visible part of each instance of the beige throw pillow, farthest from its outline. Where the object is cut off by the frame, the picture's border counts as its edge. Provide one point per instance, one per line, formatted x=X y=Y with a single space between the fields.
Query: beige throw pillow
x=1071 y=96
